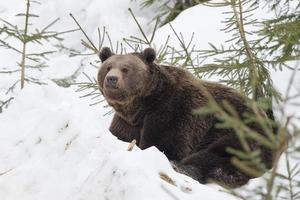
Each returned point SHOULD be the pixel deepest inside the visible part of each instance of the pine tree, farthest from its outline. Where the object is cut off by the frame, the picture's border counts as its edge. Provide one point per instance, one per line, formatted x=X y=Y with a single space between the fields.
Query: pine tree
x=25 y=36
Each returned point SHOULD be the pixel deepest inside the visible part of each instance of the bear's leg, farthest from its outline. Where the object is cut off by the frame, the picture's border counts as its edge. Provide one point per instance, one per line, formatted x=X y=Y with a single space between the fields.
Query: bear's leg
x=123 y=131
x=213 y=162
x=205 y=166
x=198 y=165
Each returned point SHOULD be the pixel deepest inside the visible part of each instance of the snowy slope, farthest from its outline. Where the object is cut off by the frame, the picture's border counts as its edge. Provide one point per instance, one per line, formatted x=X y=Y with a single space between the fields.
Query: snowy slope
x=53 y=145
x=57 y=147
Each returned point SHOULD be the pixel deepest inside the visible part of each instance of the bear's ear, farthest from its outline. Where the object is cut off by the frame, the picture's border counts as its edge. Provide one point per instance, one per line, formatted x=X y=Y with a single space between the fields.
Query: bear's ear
x=149 y=55
x=105 y=53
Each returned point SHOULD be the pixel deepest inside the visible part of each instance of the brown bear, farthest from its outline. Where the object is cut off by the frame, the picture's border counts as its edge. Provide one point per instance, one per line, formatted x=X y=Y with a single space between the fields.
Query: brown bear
x=154 y=105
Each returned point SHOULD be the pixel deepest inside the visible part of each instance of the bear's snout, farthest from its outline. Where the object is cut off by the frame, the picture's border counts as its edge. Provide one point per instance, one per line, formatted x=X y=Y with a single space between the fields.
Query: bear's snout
x=111 y=81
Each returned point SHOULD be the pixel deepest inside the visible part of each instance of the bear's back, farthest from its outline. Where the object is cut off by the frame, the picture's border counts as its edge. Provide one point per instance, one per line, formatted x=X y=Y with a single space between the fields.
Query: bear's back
x=193 y=86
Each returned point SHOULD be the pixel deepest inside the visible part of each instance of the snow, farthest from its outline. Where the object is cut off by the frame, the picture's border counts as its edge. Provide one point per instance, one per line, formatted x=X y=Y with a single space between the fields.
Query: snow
x=56 y=146
x=53 y=145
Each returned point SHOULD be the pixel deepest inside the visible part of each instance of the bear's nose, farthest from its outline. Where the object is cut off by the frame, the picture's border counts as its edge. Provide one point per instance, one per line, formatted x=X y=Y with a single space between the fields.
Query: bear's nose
x=111 y=81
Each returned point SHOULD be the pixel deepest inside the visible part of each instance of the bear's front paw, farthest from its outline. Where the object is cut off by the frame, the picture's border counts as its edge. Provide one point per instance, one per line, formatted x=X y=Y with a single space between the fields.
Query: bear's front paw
x=180 y=168
x=188 y=170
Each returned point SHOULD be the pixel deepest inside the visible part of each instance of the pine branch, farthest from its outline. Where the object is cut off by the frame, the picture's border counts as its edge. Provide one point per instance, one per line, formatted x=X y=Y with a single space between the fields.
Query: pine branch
x=91 y=44
x=238 y=13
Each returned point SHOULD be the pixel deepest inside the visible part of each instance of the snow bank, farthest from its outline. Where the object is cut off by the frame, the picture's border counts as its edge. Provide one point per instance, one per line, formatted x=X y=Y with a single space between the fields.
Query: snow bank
x=54 y=146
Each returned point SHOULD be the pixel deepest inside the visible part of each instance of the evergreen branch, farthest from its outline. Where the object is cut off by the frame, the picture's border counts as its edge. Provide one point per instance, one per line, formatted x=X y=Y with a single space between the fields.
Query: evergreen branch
x=110 y=42
x=4 y=104
x=8 y=23
x=11 y=32
x=5 y=44
x=25 y=14
x=240 y=25
x=94 y=48
x=49 y=25
x=9 y=72
x=140 y=28
x=34 y=80
x=12 y=87
x=185 y=48
x=101 y=37
x=154 y=30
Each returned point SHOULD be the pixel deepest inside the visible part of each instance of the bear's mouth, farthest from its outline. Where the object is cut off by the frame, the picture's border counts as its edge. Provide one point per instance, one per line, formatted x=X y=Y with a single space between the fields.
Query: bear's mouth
x=114 y=94
x=111 y=87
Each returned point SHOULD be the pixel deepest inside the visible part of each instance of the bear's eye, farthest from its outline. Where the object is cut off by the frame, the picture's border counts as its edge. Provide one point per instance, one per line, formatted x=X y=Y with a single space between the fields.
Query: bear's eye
x=108 y=68
x=124 y=70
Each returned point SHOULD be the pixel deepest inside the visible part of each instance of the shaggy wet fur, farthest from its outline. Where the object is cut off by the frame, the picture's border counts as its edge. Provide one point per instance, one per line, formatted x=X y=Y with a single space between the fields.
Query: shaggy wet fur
x=160 y=114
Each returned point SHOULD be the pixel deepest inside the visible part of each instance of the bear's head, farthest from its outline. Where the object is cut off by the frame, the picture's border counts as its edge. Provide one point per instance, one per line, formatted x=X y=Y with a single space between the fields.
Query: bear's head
x=121 y=78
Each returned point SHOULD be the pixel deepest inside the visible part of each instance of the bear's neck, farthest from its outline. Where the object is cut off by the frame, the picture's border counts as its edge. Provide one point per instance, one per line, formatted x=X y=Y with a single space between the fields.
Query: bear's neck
x=161 y=87
x=158 y=89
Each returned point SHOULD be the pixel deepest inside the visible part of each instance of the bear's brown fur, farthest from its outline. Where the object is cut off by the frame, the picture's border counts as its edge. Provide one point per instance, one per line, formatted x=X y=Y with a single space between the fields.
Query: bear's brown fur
x=154 y=104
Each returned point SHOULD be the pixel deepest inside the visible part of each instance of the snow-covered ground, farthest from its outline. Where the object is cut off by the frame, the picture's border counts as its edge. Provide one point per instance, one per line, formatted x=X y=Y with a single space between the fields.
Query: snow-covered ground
x=53 y=145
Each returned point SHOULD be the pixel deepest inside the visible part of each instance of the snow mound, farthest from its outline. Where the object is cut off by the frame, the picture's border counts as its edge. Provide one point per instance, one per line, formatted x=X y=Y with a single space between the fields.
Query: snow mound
x=54 y=146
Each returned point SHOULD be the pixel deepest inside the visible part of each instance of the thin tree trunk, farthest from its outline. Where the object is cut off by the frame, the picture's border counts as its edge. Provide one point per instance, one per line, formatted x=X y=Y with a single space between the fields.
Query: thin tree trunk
x=24 y=45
